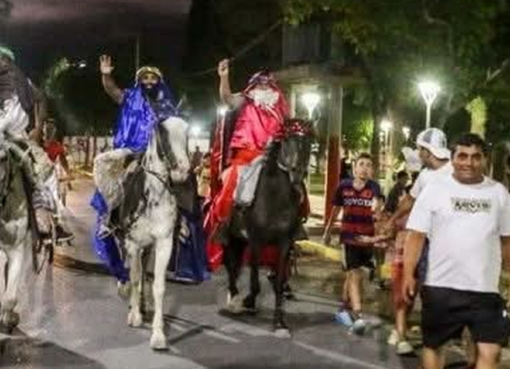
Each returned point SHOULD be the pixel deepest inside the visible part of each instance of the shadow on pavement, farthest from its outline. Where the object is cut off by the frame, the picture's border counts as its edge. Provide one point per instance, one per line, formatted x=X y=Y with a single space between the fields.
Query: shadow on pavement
x=24 y=352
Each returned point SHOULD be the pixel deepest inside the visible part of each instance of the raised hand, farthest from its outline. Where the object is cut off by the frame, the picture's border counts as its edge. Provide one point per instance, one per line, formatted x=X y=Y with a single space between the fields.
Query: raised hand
x=223 y=68
x=105 y=64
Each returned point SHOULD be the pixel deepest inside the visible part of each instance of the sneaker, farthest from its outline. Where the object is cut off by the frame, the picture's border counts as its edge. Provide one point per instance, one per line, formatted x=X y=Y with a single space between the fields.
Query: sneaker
x=404 y=348
x=63 y=235
x=104 y=231
x=394 y=338
x=359 y=326
x=344 y=317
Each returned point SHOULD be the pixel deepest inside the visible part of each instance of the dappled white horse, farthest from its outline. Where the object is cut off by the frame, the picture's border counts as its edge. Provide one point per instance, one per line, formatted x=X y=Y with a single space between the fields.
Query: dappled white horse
x=15 y=237
x=153 y=222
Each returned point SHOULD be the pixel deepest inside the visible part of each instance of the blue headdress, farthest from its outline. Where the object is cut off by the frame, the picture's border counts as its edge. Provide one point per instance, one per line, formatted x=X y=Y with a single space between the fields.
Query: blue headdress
x=139 y=116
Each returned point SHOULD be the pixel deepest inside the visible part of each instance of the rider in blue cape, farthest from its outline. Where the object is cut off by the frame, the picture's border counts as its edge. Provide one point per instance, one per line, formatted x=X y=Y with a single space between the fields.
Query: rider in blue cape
x=143 y=107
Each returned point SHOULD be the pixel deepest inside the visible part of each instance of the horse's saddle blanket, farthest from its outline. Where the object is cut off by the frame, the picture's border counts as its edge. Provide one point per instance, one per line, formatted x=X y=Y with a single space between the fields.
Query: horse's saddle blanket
x=248 y=178
x=134 y=195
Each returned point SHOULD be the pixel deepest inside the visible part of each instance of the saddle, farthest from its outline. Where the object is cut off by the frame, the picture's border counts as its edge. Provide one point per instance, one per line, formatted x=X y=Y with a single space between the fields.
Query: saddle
x=134 y=200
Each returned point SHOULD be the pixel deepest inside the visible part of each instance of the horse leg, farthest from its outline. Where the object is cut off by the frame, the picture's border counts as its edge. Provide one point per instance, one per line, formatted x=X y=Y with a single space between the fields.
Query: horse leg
x=8 y=317
x=135 y=316
x=3 y=274
x=250 y=301
x=163 y=252
x=233 y=263
x=279 y=325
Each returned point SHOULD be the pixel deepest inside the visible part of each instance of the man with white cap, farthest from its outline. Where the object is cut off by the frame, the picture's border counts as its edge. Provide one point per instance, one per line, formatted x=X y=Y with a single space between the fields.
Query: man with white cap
x=435 y=157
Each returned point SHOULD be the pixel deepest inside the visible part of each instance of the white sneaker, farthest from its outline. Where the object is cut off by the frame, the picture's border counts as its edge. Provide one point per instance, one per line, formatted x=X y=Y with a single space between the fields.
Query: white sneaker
x=404 y=348
x=393 y=338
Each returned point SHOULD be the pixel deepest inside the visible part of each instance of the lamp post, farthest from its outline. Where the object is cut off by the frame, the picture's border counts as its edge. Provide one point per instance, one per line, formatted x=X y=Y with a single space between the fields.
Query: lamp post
x=386 y=127
x=310 y=100
x=407 y=132
x=221 y=111
x=429 y=91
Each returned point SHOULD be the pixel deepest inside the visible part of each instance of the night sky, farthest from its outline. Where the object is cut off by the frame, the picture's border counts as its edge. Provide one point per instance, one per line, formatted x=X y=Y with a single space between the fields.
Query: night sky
x=42 y=30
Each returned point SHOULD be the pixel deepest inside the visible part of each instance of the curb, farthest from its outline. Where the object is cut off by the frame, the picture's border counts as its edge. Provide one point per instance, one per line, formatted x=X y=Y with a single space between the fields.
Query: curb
x=321 y=250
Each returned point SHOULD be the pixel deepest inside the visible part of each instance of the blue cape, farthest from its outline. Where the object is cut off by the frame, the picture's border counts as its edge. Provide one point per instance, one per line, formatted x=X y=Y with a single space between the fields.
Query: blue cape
x=135 y=126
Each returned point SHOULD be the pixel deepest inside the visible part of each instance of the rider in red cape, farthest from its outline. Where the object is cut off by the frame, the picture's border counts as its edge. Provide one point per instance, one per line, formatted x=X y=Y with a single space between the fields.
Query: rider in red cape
x=257 y=116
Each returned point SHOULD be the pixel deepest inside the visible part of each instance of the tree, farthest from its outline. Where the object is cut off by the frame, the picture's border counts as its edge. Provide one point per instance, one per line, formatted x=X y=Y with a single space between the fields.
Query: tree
x=399 y=41
x=220 y=29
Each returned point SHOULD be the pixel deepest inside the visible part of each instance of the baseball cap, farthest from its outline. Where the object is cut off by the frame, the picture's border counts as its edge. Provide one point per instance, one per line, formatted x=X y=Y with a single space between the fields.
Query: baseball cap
x=434 y=140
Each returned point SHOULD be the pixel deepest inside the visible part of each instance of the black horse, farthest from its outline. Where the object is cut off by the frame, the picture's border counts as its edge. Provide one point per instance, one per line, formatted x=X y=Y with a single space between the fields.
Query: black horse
x=274 y=218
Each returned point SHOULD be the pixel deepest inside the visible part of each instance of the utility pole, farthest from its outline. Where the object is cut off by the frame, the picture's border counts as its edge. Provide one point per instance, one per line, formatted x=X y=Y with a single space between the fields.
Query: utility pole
x=137 y=52
x=5 y=13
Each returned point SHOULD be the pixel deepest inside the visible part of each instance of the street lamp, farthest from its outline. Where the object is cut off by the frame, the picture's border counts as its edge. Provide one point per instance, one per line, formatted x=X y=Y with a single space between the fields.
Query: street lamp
x=407 y=132
x=310 y=100
x=429 y=91
x=221 y=110
x=195 y=131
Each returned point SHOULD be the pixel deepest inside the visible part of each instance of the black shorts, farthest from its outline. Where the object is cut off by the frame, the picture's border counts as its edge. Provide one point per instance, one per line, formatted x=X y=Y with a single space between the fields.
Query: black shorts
x=446 y=312
x=358 y=256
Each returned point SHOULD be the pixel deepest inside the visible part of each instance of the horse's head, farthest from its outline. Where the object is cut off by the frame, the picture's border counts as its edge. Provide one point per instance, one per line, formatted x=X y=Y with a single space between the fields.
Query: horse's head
x=171 y=143
x=296 y=148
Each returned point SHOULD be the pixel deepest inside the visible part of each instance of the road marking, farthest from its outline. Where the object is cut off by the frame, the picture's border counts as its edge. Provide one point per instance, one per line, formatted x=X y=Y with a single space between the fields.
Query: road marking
x=339 y=357
x=208 y=331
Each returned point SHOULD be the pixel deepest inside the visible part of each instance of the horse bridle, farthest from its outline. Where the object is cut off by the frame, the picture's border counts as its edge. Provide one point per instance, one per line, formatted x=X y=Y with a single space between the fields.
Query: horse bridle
x=169 y=161
x=5 y=181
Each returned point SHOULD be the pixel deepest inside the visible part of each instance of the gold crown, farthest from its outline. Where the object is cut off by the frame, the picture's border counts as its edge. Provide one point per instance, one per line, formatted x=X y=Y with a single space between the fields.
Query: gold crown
x=148 y=69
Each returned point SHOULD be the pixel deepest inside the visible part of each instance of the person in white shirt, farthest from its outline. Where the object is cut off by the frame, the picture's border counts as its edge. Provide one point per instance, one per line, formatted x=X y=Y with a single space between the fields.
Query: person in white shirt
x=434 y=155
x=466 y=217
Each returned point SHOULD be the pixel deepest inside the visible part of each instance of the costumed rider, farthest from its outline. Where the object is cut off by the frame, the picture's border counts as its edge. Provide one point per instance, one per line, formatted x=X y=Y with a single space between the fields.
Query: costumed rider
x=256 y=117
x=145 y=105
x=18 y=103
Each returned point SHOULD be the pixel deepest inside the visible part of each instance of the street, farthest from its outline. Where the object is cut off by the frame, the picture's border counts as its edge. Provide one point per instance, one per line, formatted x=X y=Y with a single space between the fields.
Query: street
x=73 y=319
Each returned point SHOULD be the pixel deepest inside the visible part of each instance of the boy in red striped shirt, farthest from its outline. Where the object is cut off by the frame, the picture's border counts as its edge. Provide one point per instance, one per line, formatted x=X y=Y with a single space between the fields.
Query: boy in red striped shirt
x=359 y=198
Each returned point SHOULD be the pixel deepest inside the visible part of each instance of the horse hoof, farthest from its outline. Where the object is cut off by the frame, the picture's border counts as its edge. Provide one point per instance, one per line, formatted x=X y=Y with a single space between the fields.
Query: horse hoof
x=235 y=305
x=249 y=307
x=282 y=333
x=135 y=319
x=158 y=342
x=124 y=290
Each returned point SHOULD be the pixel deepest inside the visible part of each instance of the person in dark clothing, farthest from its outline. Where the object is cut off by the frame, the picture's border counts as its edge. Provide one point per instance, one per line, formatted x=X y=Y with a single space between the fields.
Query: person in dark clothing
x=396 y=192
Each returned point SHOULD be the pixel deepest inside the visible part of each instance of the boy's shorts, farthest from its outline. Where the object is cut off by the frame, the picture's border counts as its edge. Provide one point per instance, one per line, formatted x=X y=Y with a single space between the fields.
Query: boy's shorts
x=358 y=257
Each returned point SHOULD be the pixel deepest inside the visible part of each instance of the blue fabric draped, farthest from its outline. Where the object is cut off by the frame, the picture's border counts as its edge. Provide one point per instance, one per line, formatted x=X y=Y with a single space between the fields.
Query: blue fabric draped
x=136 y=123
x=189 y=258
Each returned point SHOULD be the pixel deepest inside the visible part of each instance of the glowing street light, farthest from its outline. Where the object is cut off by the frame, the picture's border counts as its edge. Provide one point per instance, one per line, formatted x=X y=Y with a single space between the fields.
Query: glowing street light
x=195 y=130
x=429 y=91
x=221 y=110
x=386 y=126
x=407 y=132
x=310 y=100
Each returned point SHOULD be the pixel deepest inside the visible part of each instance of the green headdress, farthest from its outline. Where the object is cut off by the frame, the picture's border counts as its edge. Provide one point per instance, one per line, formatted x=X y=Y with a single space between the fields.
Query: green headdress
x=5 y=51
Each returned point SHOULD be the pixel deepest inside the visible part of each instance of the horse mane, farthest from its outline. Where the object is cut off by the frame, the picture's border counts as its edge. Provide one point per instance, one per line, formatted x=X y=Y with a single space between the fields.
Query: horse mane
x=272 y=155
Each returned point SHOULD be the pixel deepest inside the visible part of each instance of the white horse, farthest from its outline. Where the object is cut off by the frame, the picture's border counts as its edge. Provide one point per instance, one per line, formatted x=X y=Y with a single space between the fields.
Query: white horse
x=15 y=237
x=153 y=222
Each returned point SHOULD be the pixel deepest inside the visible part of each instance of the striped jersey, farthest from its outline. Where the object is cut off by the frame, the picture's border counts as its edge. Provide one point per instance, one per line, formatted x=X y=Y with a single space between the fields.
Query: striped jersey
x=358 y=209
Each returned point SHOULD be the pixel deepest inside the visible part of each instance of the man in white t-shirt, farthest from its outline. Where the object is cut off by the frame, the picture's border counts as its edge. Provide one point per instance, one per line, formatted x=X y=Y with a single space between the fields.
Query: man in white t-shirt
x=466 y=217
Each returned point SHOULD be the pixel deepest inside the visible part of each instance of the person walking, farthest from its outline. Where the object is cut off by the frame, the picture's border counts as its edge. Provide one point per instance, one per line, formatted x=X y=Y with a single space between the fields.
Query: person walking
x=466 y=217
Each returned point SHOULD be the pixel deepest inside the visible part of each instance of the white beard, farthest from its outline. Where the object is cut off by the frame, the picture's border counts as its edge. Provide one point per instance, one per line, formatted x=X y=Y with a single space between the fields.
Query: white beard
x=264 y=98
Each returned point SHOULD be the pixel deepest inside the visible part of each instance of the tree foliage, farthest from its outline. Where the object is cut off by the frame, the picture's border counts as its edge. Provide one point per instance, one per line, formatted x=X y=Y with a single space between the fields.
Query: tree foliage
x=399 y=42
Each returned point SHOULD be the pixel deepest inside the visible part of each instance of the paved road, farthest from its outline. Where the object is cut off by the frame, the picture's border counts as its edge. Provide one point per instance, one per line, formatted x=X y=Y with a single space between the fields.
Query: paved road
x=74 y=320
